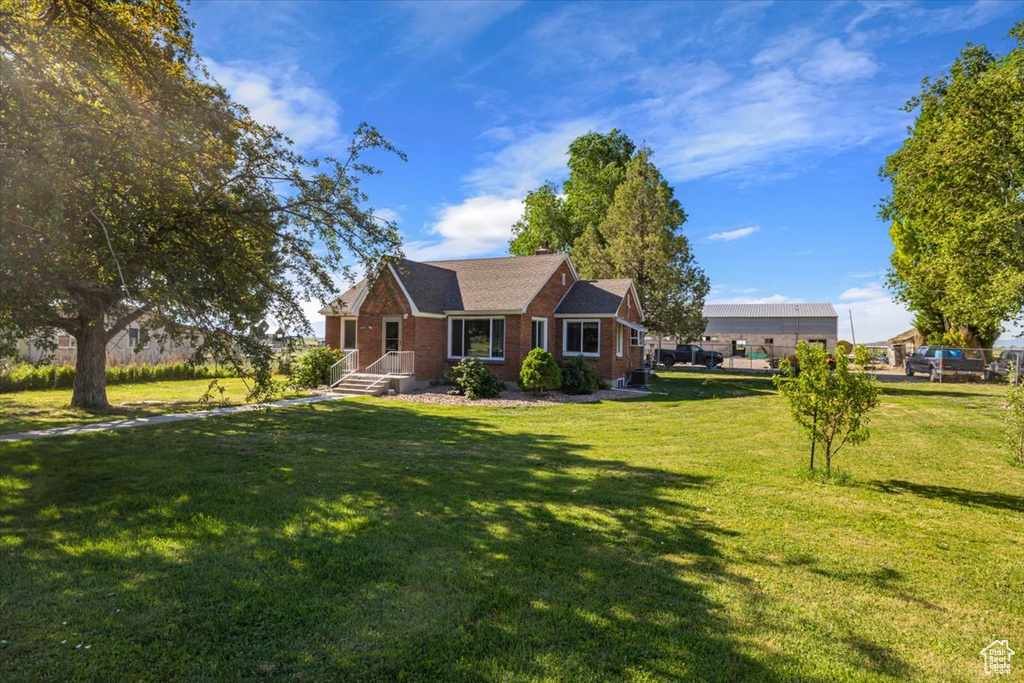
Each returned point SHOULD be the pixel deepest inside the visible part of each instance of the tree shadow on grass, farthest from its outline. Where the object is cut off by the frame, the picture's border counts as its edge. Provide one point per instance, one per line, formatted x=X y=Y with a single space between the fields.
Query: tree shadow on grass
x=910 y=390
x=952 y=494
x=693 y=387
x=359 y=541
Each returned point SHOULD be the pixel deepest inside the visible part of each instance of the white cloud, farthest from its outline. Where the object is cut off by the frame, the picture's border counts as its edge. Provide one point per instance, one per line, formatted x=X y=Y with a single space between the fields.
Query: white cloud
x=758 y=124
x=873 y=291
x=874 y=320
x=443 y=26
x=876 y=317
x=832 y=62
x=731 y=235
x=532 y=158
x=480 y=225
x=771 y=299
x=785 y=47
x=387 y=214
x=284 y=97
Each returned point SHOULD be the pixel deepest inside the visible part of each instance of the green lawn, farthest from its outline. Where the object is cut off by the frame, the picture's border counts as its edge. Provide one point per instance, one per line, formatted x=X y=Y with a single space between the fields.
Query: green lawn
x=26 y=410
x=668 y=538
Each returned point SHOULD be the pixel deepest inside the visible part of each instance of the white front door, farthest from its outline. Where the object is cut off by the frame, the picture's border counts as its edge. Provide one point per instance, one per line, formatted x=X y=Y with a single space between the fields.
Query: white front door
x=392 y=334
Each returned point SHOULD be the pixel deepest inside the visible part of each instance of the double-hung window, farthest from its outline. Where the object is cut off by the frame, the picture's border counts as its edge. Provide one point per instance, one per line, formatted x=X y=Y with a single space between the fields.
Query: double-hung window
x=539 y=335
x=618 y=340
x=477 y=338
x=636 y=337
x=581 y=337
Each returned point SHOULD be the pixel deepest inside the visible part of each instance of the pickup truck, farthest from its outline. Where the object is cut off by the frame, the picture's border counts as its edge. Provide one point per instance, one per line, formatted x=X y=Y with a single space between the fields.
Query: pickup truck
x=690 y=353
x=999 y=369
x=946 y=361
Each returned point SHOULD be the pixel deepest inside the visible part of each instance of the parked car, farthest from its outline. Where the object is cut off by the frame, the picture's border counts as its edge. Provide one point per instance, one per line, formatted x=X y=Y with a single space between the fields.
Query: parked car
x=690 y=353
x=999 y=369
x=945 y=361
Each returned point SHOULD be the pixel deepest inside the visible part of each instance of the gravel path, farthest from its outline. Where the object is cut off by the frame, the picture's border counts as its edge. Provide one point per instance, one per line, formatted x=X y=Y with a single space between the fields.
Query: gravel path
x=510 y=398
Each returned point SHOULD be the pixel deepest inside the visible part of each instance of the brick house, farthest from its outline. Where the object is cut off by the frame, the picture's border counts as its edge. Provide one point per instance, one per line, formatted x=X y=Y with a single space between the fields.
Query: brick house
x=418 y=319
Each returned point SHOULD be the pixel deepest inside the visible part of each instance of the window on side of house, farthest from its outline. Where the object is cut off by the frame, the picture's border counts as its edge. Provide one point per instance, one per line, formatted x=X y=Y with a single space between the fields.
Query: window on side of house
x=618 y=340
x=582 y=337
x=348 y=328
x=812 y=342
x=636 y=337
x=482 y=338
x=539 y=334
x=135 y=337
x=769 y=340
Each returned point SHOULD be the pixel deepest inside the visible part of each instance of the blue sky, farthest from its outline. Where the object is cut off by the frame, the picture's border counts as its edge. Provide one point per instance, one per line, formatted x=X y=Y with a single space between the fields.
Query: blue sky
x=769 y=119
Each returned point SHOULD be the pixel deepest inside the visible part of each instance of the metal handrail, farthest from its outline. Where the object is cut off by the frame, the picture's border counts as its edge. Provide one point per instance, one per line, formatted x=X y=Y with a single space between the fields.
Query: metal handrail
x=344 y=368
x=394 y=363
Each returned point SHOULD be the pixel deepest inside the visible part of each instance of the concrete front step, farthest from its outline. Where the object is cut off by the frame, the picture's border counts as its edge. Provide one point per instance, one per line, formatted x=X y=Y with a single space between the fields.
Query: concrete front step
x=363 y=384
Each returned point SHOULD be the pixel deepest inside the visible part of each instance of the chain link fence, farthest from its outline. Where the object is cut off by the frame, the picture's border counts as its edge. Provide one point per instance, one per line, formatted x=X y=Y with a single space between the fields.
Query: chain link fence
x=938 y=364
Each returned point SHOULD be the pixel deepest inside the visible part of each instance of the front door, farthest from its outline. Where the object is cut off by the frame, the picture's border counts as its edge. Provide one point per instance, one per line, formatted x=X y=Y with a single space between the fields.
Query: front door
x=392 y=334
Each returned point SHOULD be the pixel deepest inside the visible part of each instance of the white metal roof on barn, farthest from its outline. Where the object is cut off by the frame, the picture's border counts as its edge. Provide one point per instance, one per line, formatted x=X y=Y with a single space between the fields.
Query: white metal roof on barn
x=794 y=310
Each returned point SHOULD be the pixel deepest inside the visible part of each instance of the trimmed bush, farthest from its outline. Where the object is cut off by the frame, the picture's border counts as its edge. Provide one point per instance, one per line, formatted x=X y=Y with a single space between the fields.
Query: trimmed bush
x=540 y=372
x=23 y=377
x=474 y=380
x=313 y=368
x=578 y=376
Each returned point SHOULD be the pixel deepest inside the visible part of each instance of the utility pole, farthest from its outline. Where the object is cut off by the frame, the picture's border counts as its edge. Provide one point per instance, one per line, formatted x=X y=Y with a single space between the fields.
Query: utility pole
x=852 y=333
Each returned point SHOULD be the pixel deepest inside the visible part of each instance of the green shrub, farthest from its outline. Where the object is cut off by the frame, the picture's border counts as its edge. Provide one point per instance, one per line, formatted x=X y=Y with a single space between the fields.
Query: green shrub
x=474 y=380
x=23 y=376
x=540 y=372
x=578 y=376
x=313 y=368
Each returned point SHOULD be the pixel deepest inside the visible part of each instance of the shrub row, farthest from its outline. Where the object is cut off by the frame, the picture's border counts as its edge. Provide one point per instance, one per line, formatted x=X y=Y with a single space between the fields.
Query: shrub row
x=24 y=376
x=539 y=373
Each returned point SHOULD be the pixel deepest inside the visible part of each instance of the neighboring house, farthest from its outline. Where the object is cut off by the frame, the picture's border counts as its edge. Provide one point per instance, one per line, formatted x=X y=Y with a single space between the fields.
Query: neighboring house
x=129 y=346
x=764 y=329
x=426 y=317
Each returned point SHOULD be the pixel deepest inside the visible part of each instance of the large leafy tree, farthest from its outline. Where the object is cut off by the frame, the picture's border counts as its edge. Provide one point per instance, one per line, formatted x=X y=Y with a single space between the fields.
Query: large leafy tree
x=639 y=238
x=618 y=217
x=134 y=191
x=957 y=203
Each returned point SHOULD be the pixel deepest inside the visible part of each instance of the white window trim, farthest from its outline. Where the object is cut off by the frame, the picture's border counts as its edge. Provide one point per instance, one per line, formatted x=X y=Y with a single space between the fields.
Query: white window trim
x=618 y=340
x=384 y=331
x=639 y=335
x=540 y=320
x=565 y=338
x=504 y=336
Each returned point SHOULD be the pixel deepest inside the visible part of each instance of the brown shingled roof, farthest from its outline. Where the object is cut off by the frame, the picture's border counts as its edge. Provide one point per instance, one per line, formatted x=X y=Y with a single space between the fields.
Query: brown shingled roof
x=345 y=303
x=491 y=284
x=594 y=297
x=486 y=284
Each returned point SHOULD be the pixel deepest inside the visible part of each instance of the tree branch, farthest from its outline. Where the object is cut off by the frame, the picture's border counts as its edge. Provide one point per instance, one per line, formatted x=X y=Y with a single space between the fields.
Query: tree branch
x=126 y=320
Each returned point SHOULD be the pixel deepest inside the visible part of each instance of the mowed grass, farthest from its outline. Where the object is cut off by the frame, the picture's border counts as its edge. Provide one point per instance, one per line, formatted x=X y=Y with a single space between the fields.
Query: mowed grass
x=42 y=409
x=667 y=538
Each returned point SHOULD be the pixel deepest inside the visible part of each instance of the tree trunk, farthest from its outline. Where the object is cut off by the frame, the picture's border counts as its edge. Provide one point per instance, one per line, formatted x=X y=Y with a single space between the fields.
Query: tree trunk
x=91 y=369
x=814 y=435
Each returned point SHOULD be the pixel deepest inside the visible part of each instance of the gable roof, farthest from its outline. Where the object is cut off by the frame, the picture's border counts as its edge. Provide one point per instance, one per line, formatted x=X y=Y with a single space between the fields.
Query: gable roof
x=347 y=303
x=499 y=284
x=594 y=297
x=794 y=310
x=507 y=283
